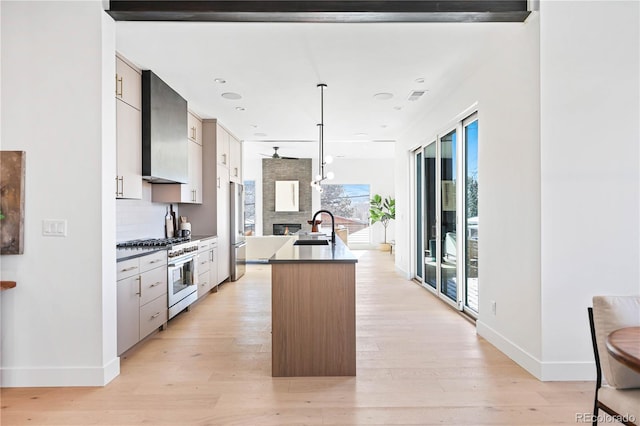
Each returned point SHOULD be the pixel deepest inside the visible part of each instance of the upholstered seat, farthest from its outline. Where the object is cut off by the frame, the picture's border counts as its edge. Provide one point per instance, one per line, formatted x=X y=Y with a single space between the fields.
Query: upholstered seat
x=617 y=386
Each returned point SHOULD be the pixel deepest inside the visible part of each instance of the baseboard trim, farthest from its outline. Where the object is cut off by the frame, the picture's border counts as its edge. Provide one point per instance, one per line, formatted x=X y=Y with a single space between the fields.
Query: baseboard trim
x=58 y=377
x=513 y=351
x=544 y=371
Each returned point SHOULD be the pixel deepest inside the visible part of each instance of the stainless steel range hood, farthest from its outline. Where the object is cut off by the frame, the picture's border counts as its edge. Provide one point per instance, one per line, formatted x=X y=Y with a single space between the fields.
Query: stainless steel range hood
x=164 y=132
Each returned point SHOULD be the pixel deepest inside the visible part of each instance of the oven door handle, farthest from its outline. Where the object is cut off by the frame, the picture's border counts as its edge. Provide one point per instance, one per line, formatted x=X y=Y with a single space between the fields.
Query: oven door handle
x=181 y=262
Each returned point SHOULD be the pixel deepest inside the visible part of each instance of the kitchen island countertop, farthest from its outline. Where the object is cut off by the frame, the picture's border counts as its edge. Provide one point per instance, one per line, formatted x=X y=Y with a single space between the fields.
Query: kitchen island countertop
x=290 y=253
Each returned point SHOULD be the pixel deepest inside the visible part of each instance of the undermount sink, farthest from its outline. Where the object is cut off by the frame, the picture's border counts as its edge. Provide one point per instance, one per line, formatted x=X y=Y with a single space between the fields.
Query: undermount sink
x=311 y=243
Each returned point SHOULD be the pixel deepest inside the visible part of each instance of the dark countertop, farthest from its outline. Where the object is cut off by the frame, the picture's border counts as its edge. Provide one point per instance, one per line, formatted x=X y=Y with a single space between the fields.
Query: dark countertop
x=288 y=253
x=127 y=253
x=202 y=237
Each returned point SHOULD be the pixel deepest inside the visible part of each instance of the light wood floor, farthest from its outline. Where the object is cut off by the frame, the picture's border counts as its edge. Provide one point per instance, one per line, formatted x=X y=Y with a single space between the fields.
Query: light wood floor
x=419 y=363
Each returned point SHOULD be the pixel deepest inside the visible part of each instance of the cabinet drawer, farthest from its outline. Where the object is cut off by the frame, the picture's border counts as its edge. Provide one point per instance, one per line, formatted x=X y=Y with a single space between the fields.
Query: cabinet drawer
x=153 y=261
x=127 y=268
x=153 y=315
x=204 y=284
x=203 y=262
x=154 y=284
x=203 y=246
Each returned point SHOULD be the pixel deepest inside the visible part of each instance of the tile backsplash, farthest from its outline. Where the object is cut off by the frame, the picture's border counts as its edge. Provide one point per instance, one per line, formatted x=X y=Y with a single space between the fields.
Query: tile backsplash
x=141 y=218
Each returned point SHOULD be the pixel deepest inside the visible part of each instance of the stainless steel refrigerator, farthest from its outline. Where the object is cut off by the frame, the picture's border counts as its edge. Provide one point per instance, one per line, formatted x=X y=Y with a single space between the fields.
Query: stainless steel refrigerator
x=238 y=242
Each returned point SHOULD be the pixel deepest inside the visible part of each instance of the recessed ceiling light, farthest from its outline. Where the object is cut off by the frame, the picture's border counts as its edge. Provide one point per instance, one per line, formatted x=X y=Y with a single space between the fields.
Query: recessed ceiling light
x=420 y=80
x=383 y=96
x=255 y=126
x=220 y=80
x=260 y=134
x=397 y=108
x=231 y=95
x=239 y=108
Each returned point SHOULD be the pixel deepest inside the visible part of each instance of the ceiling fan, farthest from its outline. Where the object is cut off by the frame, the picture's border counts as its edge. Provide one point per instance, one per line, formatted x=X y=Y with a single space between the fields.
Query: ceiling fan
x=278 y=156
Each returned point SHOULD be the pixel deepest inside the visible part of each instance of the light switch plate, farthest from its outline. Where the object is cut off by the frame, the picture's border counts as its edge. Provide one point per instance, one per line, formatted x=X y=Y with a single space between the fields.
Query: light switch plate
x=54 y=228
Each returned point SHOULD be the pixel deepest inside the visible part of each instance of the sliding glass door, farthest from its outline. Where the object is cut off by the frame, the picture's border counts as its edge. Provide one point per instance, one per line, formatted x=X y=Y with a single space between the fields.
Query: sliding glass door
x=470 y=126
x=430 y=217
x=446 y=215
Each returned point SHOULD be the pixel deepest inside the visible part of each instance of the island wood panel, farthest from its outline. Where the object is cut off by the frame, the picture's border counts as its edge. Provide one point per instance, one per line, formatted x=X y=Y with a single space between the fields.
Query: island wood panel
x=313 y=319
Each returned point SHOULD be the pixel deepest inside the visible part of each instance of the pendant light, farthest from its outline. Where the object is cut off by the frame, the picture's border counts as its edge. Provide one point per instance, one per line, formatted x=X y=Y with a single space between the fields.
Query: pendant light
x=322 y=160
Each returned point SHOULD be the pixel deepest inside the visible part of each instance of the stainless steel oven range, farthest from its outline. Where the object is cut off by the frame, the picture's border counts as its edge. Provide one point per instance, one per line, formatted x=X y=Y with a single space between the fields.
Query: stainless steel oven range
x=183 y=276
x=181 y=269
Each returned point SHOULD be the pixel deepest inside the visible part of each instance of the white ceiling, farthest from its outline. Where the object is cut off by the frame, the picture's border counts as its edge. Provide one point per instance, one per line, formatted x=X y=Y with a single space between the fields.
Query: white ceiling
x=275 y=67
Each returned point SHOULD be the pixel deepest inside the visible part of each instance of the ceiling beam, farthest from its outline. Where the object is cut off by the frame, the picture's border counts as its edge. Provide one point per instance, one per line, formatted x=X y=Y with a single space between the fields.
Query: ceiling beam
x=353 y=11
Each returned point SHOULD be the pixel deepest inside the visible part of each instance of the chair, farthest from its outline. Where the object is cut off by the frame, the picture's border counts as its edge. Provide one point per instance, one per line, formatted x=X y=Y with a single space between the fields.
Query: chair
x=617 y=387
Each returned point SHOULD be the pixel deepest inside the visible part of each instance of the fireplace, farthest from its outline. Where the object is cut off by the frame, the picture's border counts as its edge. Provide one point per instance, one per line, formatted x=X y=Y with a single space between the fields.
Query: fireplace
x=286 y=228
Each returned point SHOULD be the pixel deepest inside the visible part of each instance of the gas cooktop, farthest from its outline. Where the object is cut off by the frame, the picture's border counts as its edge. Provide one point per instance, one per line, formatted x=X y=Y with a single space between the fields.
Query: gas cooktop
x=153 y=242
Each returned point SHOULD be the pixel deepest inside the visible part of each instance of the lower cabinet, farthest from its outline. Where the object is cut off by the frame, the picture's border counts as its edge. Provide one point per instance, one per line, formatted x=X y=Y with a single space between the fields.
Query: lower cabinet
x=142 y=298
x=207 y=266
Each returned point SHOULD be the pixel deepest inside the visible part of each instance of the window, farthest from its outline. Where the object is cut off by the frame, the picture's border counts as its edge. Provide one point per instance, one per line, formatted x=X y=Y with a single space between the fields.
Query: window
x=349 y=204
x=249 y=207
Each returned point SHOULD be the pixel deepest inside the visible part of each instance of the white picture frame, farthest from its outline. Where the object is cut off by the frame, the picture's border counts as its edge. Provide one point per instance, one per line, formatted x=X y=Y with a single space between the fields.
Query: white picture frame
x=287 y=196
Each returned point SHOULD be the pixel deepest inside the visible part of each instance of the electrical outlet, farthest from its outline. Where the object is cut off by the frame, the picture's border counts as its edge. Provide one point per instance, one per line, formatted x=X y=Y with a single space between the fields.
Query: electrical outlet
x=54 y=228
x=493 y=307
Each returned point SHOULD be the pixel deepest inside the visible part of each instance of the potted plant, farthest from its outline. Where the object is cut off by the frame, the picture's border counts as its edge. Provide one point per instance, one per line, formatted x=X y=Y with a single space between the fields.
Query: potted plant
x=382 y=211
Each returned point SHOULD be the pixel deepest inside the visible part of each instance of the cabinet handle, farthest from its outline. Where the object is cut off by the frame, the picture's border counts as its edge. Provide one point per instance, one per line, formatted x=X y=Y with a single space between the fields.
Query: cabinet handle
x=235 y=171
x=224 y=159
x=155 y=284
x=119 y=80
x=139 y=293
x=156 y=315
x=119 y=186
x=218 y=182
x=193 y=133
x=131 y=268
x=204 y=263
x=155 y=261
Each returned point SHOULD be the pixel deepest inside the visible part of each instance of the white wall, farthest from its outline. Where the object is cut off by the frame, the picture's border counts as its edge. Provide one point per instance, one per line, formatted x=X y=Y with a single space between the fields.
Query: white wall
x=506 y=92
x=590 y=139
x=59 y=323
x=559 y=178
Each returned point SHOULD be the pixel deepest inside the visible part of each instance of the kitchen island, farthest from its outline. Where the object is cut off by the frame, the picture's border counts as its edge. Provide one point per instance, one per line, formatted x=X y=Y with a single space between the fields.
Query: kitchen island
x=313 y=310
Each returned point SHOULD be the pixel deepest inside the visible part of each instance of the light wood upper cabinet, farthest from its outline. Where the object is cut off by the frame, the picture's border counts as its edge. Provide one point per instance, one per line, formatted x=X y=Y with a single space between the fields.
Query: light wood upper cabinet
x=194 y=128
x=235 y=160
x=128 y=84
x=128 y=87
x=195 y=173
x=190 y=192
x=222 y=146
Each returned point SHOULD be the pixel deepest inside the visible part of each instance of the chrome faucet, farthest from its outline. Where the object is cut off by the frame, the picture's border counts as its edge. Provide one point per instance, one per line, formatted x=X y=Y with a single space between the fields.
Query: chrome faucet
x=333 y=224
